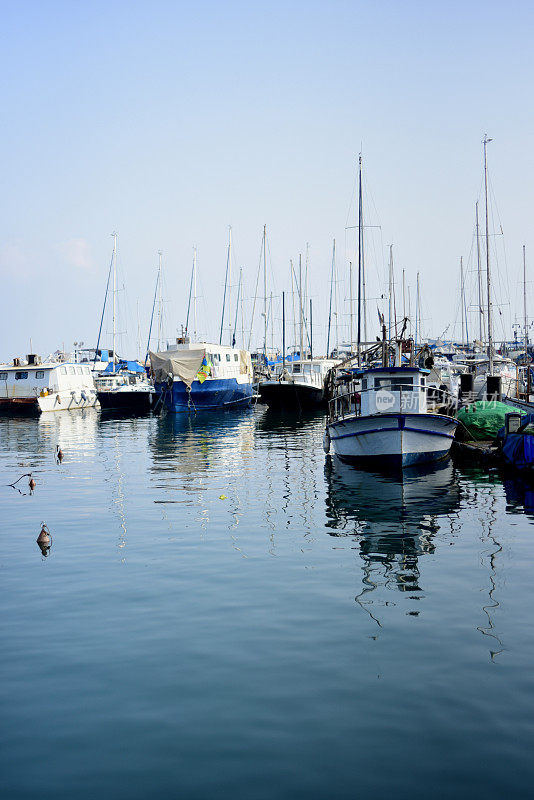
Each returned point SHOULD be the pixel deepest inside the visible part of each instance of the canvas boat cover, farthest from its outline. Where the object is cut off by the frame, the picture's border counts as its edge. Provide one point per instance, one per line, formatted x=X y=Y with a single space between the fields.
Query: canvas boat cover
x=183 y=364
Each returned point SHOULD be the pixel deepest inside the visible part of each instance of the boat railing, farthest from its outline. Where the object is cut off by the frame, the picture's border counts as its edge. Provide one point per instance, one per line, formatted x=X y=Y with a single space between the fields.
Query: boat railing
x=348 y=403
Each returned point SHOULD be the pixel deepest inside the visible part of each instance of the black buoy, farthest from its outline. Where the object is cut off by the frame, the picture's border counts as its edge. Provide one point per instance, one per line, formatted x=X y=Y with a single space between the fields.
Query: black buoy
x=44 y=537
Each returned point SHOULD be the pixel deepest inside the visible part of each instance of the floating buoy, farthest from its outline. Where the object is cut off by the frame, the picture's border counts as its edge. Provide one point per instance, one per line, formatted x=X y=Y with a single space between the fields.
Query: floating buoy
x=59 y=453
x=222 y=497
x=31 y=484
x=44 y=537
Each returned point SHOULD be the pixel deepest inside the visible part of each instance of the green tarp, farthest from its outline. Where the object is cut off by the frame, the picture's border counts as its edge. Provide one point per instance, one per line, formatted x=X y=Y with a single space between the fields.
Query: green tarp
x=484 y=419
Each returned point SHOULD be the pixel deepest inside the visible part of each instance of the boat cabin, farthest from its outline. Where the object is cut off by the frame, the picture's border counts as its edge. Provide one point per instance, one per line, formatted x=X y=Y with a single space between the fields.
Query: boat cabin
x=381 y=390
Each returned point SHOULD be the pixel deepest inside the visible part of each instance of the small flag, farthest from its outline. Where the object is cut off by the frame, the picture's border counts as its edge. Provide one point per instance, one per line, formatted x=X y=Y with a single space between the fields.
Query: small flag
x=205 y=370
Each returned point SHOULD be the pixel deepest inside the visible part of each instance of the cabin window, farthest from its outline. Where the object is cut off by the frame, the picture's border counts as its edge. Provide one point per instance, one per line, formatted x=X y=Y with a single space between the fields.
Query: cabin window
x=296 y=367
x=72 y=371
x=364 y=384
x=316 y=367
x=395 y=383
x=3 y=376
x=21 y=376
x=86 y=370
x=63 y=370
x=39 y=374
x=228 y=356
x=306 y=368
x=79 y=370
x=236 y=357
x=422 y=383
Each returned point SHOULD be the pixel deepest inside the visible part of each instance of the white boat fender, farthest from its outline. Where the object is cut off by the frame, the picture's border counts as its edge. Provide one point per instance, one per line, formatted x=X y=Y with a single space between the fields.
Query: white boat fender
x=58 y=398
x=326 y=442
x=84 y=397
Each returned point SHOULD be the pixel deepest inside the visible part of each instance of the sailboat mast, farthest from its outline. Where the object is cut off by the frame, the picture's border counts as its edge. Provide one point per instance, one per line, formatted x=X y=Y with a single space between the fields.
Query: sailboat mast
x=228 y=255
x=160 y=303
x=114 y=295
x=390 y=305
x=265 y=293
x=417 y=331
x=283 y=330
x=462 y=298
x=481 y=332
x=350 y=305
x=525 y=300
x=488 y=276
x=301 y=344
x=195 y=295
x=230 y=282
x=359 y=259
x=330 y=306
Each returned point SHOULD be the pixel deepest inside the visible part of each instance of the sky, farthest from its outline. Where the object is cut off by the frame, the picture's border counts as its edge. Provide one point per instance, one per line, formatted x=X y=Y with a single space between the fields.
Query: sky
x=168 y=122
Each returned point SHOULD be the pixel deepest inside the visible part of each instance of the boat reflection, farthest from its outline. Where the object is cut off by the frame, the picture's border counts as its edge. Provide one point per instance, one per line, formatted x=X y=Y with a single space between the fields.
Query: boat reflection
x=394 y=519
x=519 y=496
x=193 y=443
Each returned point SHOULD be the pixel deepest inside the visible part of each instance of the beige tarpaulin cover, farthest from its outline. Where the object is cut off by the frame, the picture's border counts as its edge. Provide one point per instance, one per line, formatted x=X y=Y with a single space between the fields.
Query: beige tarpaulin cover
x=245 y=363
x=183 y=364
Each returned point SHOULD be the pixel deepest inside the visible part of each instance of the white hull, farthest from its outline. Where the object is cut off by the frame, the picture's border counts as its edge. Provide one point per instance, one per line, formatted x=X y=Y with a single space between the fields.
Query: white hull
x=395 y=439
x=67 y=401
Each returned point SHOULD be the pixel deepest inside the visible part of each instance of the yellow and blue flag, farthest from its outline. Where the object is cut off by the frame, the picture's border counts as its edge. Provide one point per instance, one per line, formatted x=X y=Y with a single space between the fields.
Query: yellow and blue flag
x=205 y=370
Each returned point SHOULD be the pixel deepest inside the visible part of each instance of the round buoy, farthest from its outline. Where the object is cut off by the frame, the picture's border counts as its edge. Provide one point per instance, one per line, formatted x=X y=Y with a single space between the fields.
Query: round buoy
x=31 y=484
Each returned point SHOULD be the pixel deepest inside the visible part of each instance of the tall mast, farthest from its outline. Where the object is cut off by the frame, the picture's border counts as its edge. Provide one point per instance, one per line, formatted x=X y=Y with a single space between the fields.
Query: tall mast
x=481 y=331
x=160 y=303
x=230 y=282
x=350 y=304
x=114 y=294
x=359 y=259
x=488 y=276
x=462 y=297
x=390 y=308
x=265 y=293
x=226 y=285
x=283 y=330
x=195 y=295
x=301 y=321
x=525 y=300
x=417 y=331
x=330 y=306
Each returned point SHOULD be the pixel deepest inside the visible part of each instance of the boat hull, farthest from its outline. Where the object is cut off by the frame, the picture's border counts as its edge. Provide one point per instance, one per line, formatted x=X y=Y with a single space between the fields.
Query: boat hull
x=58 y=401
x=131 y=402
x=286 y=396
x=217 y=394
x=392 y=440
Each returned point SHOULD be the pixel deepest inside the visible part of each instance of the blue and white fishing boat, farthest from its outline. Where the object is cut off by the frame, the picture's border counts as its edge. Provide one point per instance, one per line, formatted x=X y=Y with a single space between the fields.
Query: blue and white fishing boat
x=383 y=416
x=202 y=376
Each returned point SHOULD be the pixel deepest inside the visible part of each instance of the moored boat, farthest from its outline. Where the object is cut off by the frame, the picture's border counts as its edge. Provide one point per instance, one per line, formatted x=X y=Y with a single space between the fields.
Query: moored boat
x=202 y=376
x=382 y=416
x=35 y=388
x=297 y=385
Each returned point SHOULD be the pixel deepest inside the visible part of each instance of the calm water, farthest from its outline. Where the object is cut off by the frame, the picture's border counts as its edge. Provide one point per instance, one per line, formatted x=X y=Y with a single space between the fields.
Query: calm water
x=316 y=632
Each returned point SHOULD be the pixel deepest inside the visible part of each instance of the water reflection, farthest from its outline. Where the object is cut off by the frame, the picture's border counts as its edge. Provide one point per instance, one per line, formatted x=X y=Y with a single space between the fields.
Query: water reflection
x=393 y=519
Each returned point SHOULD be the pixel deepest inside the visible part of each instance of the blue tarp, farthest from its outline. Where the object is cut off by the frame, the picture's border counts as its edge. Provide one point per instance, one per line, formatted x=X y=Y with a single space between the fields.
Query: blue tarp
x=130 y=366
x=518 y=448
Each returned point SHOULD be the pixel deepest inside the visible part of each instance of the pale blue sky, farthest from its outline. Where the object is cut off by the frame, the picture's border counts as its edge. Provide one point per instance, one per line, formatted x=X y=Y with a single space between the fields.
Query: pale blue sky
x=170 y=121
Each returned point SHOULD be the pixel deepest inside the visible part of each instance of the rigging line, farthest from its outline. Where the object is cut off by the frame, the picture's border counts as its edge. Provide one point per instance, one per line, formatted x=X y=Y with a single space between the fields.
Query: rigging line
x=255 y=294
x=103 y=311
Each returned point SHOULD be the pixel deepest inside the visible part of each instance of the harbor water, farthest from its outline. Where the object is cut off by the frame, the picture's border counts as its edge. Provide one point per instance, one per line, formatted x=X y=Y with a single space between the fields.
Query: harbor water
x=226 y=612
